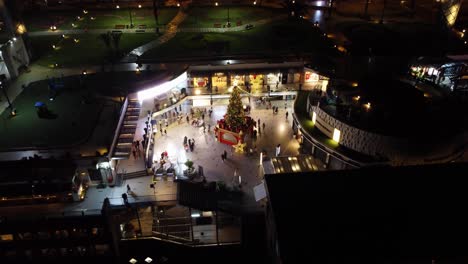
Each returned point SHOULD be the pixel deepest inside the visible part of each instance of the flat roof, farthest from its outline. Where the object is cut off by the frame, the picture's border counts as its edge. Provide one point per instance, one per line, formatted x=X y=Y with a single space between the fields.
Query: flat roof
x=289 y=164
x=371 y=213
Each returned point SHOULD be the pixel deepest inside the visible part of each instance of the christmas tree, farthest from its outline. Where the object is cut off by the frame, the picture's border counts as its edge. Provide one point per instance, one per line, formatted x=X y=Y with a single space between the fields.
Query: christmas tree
x=235 y=113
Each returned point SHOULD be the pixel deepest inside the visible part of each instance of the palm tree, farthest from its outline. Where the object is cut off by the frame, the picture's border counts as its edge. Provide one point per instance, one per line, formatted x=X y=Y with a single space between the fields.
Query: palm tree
x=116 y=41
x=155 y=13
x=106 y=38
x=112 y=41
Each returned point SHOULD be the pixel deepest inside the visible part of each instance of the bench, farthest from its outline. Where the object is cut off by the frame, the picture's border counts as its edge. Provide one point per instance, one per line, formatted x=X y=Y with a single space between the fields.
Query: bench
x=142 y=26
x=217 y=25
x=119 y=26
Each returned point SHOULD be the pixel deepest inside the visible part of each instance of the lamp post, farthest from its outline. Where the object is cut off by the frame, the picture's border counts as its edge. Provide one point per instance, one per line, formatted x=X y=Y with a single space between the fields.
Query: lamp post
x=366 y=7
x=12 y=111
x=130 y=13
x=383 y=11
x=228 y=23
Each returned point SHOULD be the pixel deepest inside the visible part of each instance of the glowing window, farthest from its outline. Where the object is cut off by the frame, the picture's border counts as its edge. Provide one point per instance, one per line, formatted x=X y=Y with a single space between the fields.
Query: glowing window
x=336 y=135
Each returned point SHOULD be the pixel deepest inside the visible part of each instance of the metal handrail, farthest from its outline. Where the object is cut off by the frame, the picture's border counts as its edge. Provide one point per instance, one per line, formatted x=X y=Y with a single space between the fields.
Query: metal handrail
x=324 y=148
x=123 y=111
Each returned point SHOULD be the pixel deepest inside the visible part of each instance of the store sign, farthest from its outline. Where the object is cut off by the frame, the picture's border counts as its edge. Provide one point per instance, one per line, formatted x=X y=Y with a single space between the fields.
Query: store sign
x=311 y=77
x=200 y=82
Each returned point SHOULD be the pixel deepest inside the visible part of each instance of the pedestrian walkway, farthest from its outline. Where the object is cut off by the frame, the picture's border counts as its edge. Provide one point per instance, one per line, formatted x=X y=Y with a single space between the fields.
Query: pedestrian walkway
x=207 y=151
x=169 y=33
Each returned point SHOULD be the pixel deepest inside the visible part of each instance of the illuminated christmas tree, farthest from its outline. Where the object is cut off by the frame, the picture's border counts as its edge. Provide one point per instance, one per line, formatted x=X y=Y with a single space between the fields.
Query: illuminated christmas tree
x=235 y=117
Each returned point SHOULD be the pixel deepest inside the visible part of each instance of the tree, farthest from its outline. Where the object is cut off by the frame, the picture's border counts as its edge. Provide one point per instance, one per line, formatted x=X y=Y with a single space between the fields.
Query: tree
x=235 y=113
x=112 y=40
x=116 y=41
x=106 y=38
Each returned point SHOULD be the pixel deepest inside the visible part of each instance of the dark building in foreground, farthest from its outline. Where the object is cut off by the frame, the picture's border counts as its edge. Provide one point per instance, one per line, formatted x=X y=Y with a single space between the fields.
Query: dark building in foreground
x=412 y=214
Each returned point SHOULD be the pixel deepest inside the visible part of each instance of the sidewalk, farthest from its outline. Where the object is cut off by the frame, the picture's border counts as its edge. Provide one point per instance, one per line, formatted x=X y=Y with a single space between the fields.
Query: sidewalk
x=207 y=151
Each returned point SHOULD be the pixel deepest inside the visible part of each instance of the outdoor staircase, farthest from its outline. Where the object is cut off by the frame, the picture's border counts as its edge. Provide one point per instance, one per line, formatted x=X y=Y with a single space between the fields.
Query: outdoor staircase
x=123 y=147
x=173 y=227
x=135 y=174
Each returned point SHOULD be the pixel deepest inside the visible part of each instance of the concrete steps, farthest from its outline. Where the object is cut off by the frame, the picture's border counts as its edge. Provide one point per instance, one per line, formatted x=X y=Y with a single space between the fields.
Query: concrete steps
x=135 y=174
x=123 y=148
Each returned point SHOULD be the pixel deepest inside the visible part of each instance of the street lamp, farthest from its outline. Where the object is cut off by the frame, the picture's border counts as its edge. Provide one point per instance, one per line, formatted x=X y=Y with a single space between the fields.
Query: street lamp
x=383 y=11
x=131 y=21
x=12 y=110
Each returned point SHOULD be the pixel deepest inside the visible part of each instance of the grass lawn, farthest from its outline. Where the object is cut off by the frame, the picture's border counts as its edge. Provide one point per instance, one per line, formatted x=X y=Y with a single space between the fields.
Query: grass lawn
x=74 y=122
x=208 y=16
x=89 y=50
x=102 y=19
x=402 y=39
x=276 y=38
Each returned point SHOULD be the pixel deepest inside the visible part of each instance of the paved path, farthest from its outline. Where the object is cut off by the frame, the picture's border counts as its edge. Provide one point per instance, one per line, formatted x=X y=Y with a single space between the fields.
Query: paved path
x=170 y=27
x=207 y=151
x=169 y=33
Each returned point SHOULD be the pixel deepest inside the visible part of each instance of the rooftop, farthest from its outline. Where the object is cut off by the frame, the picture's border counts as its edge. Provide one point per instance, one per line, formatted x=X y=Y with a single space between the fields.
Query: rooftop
x=284 y=164
x=370 y=213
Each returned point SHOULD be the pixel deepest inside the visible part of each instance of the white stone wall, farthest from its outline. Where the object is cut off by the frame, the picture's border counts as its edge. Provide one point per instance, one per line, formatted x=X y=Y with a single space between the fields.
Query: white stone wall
x=360 y=140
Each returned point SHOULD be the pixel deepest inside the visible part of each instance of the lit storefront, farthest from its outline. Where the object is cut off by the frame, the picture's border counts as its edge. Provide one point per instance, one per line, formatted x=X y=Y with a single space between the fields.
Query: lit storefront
x=200 y=82
x=255 y=81
x=238 y=80
x=219 y=80
x=273 y=78
x=314 y=81
x=311 y=77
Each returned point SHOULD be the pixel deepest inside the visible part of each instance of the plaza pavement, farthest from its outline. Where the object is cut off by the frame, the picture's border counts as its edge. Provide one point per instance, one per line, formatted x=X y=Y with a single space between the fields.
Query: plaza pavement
x=207 y=151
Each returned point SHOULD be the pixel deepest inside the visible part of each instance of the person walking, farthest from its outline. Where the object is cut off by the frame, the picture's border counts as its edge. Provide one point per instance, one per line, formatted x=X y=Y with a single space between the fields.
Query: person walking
x=259 y=123
x=203 y=116
x=185 y=140
x=128 y=188
x=263 y=126
x=167 y=124
x=225 y=154
x=137 y=143
x=209 y=127
x=125 y=198
x=187 y=118
x=287 y=115
x=222 y=157
x=165 y=132
x=278 y=150
x=192 y=145
x=204 y=128
x=134 y=153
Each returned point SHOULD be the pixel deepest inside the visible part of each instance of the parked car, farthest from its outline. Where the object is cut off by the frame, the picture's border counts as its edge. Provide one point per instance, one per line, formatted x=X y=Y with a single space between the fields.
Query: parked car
x=248 y=26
